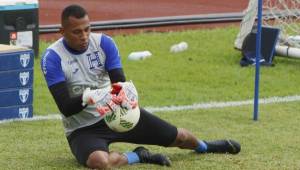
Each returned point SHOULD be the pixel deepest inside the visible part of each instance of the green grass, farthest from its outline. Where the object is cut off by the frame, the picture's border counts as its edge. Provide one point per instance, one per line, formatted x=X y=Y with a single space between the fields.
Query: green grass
x=208 y=71
x=271 y=143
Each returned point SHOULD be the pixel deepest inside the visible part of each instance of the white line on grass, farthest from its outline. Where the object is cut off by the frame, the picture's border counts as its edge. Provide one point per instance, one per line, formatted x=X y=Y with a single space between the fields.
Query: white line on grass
x=185 y=107
x=224 y=104
x=34 y=118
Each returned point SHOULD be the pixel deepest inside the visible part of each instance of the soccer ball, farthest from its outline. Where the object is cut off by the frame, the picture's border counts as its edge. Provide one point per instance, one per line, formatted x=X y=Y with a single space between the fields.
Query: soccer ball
x=122 y=119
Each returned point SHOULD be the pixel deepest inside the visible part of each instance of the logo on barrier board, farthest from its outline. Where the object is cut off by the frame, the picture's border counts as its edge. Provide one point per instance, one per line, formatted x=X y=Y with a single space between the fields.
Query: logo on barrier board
x=23 y=112
x=24 y=77
x=23 y=94
x=24 y=59
x=13 y=38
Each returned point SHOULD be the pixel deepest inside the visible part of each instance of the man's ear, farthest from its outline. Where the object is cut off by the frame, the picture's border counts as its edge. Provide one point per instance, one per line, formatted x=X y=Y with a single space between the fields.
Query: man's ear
x=61 y=30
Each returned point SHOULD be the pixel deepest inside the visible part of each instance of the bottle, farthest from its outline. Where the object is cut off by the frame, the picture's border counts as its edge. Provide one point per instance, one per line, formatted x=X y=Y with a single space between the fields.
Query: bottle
x=182 y=46
x=139 y=55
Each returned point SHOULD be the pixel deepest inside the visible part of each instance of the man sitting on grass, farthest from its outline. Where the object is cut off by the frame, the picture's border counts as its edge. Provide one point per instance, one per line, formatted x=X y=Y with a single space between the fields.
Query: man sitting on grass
x=81 y=60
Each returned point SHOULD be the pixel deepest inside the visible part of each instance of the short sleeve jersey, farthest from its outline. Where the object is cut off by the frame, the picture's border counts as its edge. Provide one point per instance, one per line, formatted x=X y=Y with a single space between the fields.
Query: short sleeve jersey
x=80 y=70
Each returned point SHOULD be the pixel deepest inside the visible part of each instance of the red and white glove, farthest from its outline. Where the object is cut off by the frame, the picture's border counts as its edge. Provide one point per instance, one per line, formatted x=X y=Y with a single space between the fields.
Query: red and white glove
x=91 y=97
x=107 y=108
x=122 y=94
x=125 y=95
x=101 y=98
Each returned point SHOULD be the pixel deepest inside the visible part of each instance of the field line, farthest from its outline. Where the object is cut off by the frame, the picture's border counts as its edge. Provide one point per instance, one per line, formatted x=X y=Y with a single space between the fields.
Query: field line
x=211 y=105
x=208 y=105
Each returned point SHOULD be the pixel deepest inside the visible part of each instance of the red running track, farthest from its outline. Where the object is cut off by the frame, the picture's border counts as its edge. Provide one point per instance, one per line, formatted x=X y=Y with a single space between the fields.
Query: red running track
x=101 y=10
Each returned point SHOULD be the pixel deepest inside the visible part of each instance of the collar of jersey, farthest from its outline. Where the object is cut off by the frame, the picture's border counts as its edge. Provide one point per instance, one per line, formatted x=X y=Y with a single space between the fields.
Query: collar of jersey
x=71 y=50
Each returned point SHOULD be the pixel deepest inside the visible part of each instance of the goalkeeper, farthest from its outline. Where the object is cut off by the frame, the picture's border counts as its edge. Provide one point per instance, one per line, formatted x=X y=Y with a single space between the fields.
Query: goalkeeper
x=83 y=60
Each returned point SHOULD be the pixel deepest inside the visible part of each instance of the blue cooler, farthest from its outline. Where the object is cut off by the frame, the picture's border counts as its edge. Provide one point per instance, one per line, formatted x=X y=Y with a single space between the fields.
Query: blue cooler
x=16 y=82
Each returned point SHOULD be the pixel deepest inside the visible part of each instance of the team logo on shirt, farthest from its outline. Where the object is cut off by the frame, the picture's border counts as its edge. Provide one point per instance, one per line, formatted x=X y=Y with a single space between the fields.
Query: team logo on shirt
x=23 y=112
x=24 y=59
x=24 y=77
x=77 y=90
x=74 y=66
x=94 y=59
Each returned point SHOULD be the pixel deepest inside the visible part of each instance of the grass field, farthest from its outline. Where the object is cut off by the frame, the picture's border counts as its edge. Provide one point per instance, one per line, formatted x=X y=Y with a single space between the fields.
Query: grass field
x=208 y=71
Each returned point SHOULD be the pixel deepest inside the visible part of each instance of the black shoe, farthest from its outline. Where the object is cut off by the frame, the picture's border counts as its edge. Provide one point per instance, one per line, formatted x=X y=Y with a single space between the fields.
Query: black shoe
x=223 y=146
x=147 y=157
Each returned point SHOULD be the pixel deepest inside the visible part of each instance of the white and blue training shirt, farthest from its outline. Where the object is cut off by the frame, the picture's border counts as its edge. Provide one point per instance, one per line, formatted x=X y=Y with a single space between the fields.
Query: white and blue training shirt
x=81 y=70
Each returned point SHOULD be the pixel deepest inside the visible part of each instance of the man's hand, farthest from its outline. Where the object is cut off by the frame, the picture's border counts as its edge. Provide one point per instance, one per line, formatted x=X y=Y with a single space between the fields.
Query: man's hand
x=122 y=94
x=91 y=97
x=107 y=108
x=125 y=95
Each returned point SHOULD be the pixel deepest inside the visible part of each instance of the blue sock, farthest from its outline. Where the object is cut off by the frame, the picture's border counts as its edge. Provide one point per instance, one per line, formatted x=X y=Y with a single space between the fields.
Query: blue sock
x=132 y=157
x=202 y=147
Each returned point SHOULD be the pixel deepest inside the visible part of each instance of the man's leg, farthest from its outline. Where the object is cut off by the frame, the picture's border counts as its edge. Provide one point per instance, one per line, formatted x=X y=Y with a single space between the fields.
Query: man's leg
x=105 y=160
x=90 y=147
x=186 y=140
x=155 y=131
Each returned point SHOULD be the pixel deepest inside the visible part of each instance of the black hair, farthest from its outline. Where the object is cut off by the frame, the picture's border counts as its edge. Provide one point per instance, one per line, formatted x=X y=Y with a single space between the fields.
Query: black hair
x=74 y=11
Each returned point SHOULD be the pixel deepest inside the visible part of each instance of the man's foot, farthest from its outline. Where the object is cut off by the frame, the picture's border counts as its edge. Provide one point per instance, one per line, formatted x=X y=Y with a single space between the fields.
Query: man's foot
x=223 y=146
x=147 y=157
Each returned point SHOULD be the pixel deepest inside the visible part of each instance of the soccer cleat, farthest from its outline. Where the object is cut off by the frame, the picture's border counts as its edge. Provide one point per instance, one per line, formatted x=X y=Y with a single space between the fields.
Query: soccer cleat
x=147 y=157
x=223 y=146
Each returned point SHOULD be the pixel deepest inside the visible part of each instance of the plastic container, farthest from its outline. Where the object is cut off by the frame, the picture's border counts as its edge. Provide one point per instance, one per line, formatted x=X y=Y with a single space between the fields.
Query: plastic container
x=139 y=55
x=182 y=46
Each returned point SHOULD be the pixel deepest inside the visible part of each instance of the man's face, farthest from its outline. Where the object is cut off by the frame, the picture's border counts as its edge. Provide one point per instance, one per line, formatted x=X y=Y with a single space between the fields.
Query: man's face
x=76 y=32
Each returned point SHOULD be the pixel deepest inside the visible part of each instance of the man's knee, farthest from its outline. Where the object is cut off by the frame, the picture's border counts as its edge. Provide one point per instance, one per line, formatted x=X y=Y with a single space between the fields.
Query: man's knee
x=98 y=160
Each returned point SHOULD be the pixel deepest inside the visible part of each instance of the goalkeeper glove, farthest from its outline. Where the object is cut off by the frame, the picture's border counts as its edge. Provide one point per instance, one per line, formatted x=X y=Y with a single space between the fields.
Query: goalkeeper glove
x=108 y=108
x=94 y=96
x=125 y=95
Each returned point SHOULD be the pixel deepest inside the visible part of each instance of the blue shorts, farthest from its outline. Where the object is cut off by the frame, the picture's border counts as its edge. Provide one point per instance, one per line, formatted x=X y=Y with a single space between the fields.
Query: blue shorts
x=149 y=130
